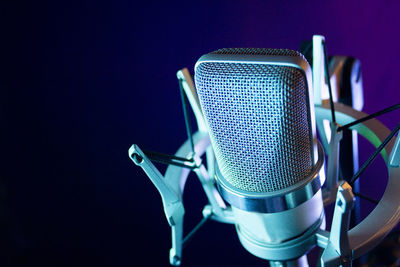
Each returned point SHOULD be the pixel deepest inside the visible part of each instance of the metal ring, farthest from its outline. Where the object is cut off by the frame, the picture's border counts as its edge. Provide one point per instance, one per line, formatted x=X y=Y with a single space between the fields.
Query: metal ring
x=270 y=202
x=293 y=248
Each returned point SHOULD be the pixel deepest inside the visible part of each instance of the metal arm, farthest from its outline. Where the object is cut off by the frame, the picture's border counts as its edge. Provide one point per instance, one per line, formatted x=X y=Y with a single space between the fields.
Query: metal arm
x=172 y=201
x=338 y=251
x=333 y=165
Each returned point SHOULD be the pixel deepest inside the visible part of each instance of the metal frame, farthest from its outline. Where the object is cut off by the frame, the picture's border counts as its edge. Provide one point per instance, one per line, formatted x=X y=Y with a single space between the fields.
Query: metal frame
x=369 y=232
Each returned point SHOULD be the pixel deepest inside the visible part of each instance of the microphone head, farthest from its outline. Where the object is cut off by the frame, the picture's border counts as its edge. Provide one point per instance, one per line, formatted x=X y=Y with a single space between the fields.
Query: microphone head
x=258 y=107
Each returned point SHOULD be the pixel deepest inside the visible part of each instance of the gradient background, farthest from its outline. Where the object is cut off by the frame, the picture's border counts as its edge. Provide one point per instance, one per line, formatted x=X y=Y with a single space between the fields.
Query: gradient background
x=81 y=82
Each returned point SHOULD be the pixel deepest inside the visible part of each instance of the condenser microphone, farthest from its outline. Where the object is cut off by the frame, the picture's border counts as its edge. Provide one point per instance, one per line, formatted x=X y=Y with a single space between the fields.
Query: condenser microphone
x=259 y=110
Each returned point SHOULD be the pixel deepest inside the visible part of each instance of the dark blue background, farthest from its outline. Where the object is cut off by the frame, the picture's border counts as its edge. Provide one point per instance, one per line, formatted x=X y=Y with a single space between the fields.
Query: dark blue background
x=81 y=82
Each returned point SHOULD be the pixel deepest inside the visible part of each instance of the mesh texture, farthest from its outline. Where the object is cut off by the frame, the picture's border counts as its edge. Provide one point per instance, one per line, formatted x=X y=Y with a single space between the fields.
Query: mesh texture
x=258 y=51
x=258 y=119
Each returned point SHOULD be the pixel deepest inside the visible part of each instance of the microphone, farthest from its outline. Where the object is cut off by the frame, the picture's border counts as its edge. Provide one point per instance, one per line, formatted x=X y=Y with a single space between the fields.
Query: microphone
x=259 y=110
x=257 y=114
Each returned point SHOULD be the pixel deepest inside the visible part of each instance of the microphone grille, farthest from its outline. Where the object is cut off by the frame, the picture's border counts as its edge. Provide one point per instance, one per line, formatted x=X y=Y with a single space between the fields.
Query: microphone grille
x=259 y=120
x=258 y=51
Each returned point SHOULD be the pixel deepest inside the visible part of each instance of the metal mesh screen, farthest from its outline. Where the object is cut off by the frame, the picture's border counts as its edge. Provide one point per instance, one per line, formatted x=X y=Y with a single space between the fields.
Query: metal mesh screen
x=258 y=51
x=258 y=120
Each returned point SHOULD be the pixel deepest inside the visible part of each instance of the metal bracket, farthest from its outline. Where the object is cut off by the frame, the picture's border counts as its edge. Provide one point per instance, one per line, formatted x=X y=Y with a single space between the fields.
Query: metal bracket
x=172 y=201
x=394 y=159
x=333 y=165
x=338 y=251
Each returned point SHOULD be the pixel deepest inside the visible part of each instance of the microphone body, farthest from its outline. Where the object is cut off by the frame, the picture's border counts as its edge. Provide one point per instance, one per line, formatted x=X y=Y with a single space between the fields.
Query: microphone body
x=259 y=110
